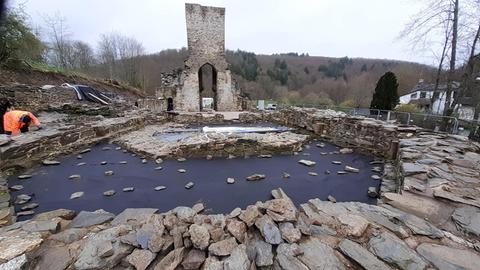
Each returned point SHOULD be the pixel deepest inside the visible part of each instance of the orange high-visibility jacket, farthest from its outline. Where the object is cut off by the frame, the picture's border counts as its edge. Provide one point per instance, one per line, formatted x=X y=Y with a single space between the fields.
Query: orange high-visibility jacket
x=11 y=121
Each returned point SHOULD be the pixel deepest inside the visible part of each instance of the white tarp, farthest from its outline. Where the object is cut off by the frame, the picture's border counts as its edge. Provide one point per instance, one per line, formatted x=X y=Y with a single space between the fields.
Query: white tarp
x=243 y=129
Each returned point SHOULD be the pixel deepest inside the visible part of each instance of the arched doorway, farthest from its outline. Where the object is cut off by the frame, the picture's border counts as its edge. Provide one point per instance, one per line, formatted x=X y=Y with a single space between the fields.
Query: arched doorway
x=207 y=79
x=169 y=104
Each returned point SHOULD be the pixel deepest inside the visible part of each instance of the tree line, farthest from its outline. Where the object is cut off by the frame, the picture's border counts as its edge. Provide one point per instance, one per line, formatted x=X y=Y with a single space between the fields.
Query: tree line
x=452 y=25
x=116 y=56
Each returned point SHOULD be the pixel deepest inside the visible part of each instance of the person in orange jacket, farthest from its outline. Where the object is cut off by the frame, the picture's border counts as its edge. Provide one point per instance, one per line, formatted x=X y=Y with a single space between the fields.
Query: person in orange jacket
x=15 y=122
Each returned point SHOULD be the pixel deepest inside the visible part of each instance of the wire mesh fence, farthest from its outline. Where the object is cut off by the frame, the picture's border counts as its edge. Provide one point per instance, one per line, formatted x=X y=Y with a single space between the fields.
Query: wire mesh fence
x=435 y=122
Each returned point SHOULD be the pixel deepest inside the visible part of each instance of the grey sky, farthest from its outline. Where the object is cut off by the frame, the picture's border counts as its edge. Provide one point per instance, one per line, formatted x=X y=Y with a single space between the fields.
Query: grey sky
x=356 y=28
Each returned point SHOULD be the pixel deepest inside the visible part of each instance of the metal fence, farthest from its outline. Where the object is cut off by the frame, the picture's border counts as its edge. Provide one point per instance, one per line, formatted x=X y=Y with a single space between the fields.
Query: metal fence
x=433 y=122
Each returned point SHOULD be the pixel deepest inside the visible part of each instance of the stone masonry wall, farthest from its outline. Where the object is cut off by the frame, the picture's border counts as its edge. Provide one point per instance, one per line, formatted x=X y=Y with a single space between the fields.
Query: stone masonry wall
x=367 y=135
x=206 y=45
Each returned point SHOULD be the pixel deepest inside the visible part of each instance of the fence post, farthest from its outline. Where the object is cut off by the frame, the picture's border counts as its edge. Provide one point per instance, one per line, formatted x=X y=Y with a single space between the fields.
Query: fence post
x=388 y=116
x=408 y=119
x=378 y=114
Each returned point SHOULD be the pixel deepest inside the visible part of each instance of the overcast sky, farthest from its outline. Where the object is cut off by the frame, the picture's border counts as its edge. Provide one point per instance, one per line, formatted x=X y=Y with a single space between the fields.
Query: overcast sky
x=336 y=28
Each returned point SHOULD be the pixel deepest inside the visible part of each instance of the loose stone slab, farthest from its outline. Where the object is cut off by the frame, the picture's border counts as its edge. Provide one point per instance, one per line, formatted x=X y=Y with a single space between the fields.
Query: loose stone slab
x=372 y=192
x=48 y=162
x=223 y=248
x=22 y=199
x=86 y=219
x=269 y=230
x=128 y=189
x=109 y=193
x=256 y=177
x=230 y=180
x=76 y=195
x=445 y=257
x=361 y=256
x=74 y=177
x=108 y=173
x=25 y=176
x=16 y=243
x=312 y=173
x=308 y=163
x=336 y=162
x=158 y=168
x=189 y=185
x=182 y=170
x=318 y=255
x=351 y=169
x=140 y=258
x=468 y=219
x=25 y=213
x=158 y=188
x=16 y=187
x=29 y=206
x=394 y=251
x=85 y=151
x=200 y=236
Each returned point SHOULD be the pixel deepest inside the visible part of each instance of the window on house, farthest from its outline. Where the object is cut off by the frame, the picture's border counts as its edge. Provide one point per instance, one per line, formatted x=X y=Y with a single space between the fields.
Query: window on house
x=414 y=95
x=423 y=94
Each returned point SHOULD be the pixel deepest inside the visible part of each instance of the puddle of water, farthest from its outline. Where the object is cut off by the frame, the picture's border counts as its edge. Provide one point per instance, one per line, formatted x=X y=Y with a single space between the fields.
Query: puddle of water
x=52 y=188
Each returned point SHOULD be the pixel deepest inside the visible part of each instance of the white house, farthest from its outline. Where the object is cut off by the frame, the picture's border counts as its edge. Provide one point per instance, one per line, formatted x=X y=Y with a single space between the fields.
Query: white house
x=422 y=93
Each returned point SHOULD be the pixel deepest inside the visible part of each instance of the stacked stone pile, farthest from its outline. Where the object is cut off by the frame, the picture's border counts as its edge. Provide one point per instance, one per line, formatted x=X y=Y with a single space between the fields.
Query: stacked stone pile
x=441 y=182
x=269 y=235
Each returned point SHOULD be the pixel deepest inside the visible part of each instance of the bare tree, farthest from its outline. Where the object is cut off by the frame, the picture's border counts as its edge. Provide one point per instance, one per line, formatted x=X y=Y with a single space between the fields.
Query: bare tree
x=121 y=57
x=453 y=57
x=83 y=55
x=58 y=37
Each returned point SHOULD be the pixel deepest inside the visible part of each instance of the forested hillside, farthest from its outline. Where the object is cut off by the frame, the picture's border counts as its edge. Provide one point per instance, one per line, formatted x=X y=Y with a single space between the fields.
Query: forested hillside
x=295 y=78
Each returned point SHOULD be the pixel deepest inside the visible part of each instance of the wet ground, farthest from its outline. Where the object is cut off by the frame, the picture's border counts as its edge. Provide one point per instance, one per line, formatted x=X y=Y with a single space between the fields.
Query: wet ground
x=52 y=187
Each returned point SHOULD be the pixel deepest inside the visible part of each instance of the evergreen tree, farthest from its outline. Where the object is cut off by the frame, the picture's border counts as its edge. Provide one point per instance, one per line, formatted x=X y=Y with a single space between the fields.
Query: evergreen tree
x=386 y=95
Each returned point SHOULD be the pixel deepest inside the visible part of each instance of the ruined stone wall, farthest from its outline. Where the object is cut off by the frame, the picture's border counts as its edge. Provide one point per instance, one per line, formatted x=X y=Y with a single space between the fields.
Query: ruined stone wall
x=206 y=45
x=367 y=135
x=37 y=145
x=153 y=104
x=35 y=99
x=206 y=36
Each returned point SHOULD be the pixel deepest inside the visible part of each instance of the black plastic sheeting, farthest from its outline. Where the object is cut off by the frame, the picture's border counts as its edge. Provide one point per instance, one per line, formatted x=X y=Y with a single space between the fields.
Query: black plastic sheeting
x=90 y=94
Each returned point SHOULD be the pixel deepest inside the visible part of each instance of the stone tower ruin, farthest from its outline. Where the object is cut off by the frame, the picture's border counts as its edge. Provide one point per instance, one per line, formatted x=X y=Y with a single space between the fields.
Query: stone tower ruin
x=185 y=90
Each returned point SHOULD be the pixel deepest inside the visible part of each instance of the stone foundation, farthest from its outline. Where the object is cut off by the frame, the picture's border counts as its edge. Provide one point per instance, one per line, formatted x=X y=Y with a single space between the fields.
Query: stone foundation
x=148 y=142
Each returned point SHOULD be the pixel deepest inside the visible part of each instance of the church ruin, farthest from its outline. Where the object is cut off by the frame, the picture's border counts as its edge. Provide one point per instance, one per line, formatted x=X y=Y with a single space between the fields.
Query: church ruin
x=206 y=81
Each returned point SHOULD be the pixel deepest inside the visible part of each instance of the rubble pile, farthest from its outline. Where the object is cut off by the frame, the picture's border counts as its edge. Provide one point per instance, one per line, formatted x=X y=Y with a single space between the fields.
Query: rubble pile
x=268 y=235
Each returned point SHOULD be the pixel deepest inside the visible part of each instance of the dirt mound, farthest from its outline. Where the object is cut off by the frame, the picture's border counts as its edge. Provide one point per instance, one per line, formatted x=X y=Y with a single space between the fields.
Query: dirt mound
x=26 y=75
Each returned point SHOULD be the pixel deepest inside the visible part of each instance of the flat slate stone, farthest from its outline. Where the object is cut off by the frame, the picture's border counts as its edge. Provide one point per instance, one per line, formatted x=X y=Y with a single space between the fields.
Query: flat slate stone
x=158 y=188
x=444 y=257
x=87 y=219
x=318 y=255
x=468 y=219
x=394 y=251
x=361 y=256
x=308 y=163
x=135 y=214
x=48 y=162
x=76 y=195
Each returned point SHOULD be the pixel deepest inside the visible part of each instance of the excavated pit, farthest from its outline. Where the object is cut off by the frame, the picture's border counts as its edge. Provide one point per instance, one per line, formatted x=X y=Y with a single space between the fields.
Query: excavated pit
x=51 y=187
